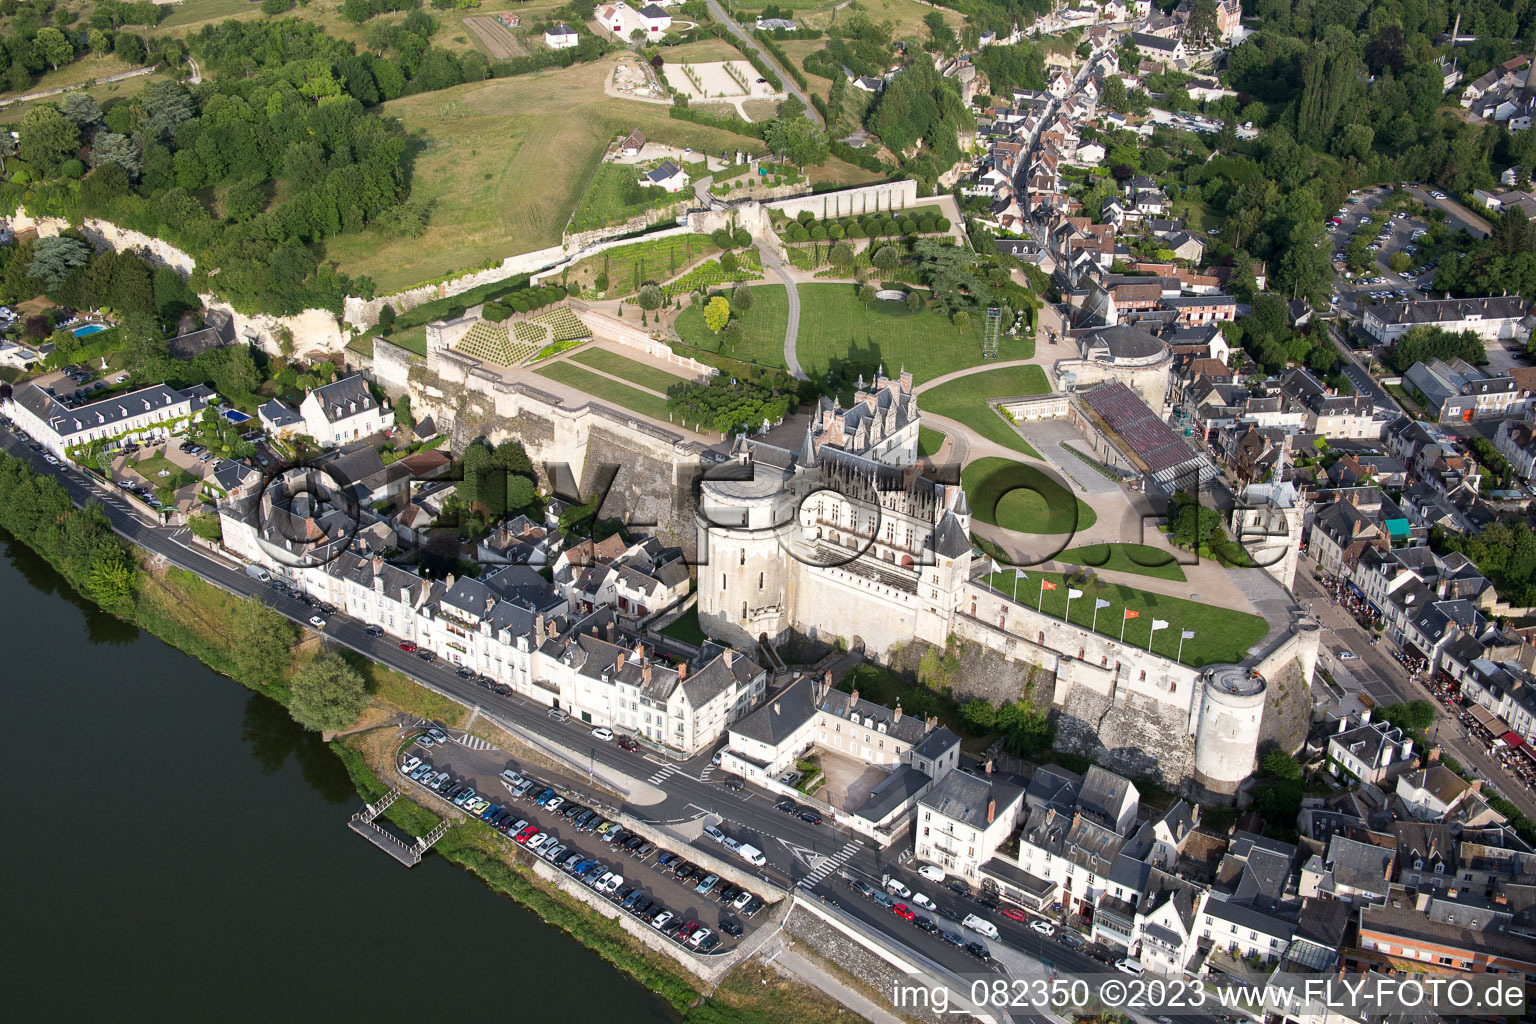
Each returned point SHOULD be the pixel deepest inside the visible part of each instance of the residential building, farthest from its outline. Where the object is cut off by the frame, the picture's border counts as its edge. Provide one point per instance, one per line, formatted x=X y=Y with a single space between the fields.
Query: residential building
x=344 y=410
x=1368 y=751
x=1491 y=318
x=666 y=175
x=147 y=414
x=1457 y=392
x=279 y=419
x=560 y=37
x=964 y=819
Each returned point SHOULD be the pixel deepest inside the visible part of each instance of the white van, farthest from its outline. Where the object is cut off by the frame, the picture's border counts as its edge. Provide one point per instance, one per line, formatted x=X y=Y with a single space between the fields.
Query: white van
x=980 y=926
x=256 y=572
x=752 y=855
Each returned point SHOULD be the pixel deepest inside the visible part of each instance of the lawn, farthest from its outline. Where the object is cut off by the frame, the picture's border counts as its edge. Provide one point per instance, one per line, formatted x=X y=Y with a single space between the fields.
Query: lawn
x=105 y=94
x=643 y=374
x=1221 y=634
x=1126 y=558
x=762 y=330
x=835 y=325
x=686 y=628
x=904 y=16
x=602 y=202
x=1014 y=496
x=629 y=266
x=501 y=164
x=965 y=400
x=605 y=390
x=929 y=441
x=83 y=70
x=150 y=469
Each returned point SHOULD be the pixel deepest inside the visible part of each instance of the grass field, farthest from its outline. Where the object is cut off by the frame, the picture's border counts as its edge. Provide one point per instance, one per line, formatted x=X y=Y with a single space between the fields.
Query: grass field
x=1221 y=634
x=834 y=324
x=762 y=329
x=1014 y=496
x=605 y=390
x=904 y=16
x=686 y=628
x=602 y=201
x=965 y=399
x=501 y=164
x=929 y=441
x=643 y=374
x=1126 y=558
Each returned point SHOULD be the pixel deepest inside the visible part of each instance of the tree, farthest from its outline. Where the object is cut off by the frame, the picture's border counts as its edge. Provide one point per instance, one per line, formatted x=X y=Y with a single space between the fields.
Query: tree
x=273 y=8
x=961 y=319
x=386 y=318
x=113 y=579
x=1113 y=97
x=207 y=526
x=867 y=293
x=244 y=200
x=1414 y=716
x=1282 y=765
x=914 y=301
x=741 y=297
x=48 y=138
x=54 y=47
x=717 y=313
x=112 y=148
x=328 y=694
x=978 y=715
x=885 y=258
x=797 y=140
x=55 y=258
x=80 y=108
x=650 y=297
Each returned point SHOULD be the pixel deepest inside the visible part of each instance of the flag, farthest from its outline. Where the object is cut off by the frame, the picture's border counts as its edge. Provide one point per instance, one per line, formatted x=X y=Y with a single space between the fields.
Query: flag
x=1074 y=594
x=1159 y=624
x=1046 y=585
x=993 y=567
x=1100 y=603
x=1132 y=615
x=1188 y=634
x=1020 y=574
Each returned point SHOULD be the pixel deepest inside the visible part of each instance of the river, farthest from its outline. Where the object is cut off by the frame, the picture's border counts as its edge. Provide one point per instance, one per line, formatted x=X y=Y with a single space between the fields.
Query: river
x=175 y=845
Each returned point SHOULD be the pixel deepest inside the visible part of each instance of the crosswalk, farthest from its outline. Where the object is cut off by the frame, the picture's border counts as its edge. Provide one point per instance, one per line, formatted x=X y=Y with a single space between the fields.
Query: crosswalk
x=709 y=770
x=827 y=865
x=473 y=742
x=664 y=772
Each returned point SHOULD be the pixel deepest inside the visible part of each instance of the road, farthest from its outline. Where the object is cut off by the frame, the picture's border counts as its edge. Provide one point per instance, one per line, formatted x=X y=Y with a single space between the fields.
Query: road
x=816 y=858
x=1386 y=682
x=790 y=85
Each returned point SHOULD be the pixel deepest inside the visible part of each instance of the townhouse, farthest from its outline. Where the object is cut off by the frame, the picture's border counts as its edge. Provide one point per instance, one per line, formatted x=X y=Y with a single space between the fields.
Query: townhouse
x=344 y=410
x=147 y=414
x=1492 y=318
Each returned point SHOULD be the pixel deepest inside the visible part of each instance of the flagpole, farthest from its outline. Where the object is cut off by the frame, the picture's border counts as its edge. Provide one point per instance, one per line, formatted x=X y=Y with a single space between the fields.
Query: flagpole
x=1066 y=616
x=1040 y=605
x=1123 y=620
x=1180 y=658
x=1095 y=627
x=1015 y=586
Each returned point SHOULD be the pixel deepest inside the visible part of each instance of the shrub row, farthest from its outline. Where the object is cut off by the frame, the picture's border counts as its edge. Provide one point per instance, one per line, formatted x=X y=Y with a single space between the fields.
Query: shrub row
x=782 y=57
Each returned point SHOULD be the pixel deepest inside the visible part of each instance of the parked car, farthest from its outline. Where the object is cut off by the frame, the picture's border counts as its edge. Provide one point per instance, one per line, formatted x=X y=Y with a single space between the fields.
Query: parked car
x=409 y=765
x=1042 y=928
x=923 y=901
x=810 y=816
x=1125 y=965
x=904 y=912
x=407 y=646
x=894 y=885
x=625 y=743
x=979 y=951
x=731 y=928
x=707 y=883
x=602 y=732
x=714 y=833
x=661 y=920
x=786 y=805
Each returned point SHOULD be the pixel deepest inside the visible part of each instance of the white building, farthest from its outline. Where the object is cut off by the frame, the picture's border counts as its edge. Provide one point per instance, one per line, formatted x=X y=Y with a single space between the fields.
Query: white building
x=623 y=21
x=560 y=37
x=1492 y=318
x=151 y=413
x=963 y=820
x=1368 y=751
x=344 y=410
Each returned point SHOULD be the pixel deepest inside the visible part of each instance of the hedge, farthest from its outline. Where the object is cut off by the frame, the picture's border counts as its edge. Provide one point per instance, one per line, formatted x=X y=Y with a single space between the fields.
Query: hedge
x=751 y=129
x=782 y=57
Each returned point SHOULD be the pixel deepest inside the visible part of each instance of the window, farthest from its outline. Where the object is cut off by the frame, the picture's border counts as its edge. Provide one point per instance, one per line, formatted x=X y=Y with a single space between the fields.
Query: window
x=760 y=586
x=722 y=581
x=743 y=611
x=1143 y=675
x=743 y=556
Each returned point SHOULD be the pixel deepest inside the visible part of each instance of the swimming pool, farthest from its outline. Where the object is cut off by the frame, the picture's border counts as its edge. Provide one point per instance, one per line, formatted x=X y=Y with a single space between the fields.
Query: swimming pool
x=235 y=416
x=85 y=329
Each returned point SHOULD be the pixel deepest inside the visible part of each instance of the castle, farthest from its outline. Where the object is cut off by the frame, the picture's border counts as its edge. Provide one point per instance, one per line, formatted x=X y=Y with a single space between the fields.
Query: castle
x=843 y=540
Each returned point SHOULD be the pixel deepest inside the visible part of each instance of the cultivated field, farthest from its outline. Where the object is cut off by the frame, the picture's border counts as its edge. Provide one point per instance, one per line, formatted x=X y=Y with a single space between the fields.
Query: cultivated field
x=497 y=39
x=715 y=79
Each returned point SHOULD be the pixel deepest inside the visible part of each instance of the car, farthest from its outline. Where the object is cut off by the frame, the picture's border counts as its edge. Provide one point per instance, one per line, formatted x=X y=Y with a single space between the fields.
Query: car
x=953 y=938
x=407 y=646
x=554 y=852
x=959 y=888
x=1346 y=655
x=979 y=951
x=811 y=816
x=625 y=743
x=554 y=802
x=903 y=911
x=1071 y=939
x=426 y=655
x=661 y=920
x=557 y=714
x=980 y=925
x=731 y=782
x=923 y=901
x=317 y=622
x=714 y=833
x=526 y=834
x=420 y=773
x=932 y=872
x=1125 y=965
x=600 y=877
x=374 y=631
x=707 y=883
x=787 y=805
x=632 y=844
x=632 y=899
x=731 y=928
x=603 y=733
x=409 y=765
x=644 y=850
x=894 y=886
x=753 y=906
x=884 y=900
x=616 y=834
x=700 y=937
x=1042 y=928
x=989 y=901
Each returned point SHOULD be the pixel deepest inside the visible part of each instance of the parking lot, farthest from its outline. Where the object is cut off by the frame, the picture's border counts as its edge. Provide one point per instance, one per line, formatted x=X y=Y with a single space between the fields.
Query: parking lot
x=1381 y=283
x=552 y=819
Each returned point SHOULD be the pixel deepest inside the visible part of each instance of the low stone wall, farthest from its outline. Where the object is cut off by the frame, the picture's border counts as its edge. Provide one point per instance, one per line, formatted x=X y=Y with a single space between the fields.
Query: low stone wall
x=894 y=195
x=614 y=329
x=362 y=312
x=576 y=241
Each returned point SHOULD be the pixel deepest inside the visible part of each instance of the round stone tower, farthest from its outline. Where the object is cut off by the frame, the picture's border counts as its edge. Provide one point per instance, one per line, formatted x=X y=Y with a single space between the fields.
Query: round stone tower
x=1309 y=638
x=1227 y=735
x=744 y=529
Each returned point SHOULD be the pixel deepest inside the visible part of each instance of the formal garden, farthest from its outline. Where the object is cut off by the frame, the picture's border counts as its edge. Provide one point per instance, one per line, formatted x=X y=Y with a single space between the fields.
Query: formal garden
x=1015 y=496
x=964 y=400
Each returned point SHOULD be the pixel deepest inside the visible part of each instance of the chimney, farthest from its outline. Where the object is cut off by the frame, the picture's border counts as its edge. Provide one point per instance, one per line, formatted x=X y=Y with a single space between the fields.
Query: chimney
x=639 y=651
x=448 y=581
x=594 y=629
x=549 y=628
x=618 y=663
x=1432 y=756
x=990 y=766
x=1365 y=717
x=896 y=716
x=853 y=698
x=378 y=564
x=991 y=810
x=776 y=709
x=611 y=631
x=1343 y=724
x=682 y=671
x=645 y=674
x=729 y=657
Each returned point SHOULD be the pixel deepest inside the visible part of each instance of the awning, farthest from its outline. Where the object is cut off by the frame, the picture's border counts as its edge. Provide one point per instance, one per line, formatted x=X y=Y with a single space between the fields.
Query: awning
x=1512 y=738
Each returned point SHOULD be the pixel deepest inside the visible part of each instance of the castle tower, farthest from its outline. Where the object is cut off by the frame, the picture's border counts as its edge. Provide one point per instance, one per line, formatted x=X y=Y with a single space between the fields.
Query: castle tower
x=946 y=569
x=1227 y=730
x=744 y=519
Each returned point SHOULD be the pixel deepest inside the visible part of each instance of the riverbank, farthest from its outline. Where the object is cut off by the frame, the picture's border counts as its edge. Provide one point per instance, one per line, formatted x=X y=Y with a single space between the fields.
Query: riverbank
x=244 y=640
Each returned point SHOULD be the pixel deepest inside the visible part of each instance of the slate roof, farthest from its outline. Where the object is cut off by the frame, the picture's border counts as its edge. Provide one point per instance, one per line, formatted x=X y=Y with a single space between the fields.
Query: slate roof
x=101 y=413
x=344 y=398
x=964 y=798
x=279 y=414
